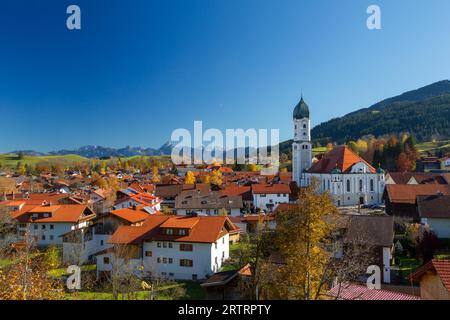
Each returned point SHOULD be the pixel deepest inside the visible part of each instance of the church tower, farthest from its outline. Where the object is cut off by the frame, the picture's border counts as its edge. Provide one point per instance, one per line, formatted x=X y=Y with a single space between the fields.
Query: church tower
x=302 y=147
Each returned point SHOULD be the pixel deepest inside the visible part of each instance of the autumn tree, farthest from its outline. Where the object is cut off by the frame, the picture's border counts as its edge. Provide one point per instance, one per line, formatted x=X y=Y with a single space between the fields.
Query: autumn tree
x=7 y=186
x=216 y=177
x=98 y=181
x=301 y=237
x=166 y=210
x=27 y=278
x=190 y=178
x=156 y=178
x=223 y=212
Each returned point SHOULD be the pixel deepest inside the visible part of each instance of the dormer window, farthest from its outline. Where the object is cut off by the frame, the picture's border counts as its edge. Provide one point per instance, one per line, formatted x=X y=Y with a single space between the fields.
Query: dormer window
x=169 y=231
x=304 y=126
x=182 y=232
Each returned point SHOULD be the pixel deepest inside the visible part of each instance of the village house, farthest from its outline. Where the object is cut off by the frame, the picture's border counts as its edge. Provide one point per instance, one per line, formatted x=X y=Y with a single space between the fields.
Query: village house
x=178 y=247
x=428 y=164
x=225 y=285
x=401 y=199
x=47 y=223
x=415 y=178
x=434 y=279
x=268 y=196
x=129 y=197
x=434 y=211
x=373 y=232
x=196 y=202
x=84 y=241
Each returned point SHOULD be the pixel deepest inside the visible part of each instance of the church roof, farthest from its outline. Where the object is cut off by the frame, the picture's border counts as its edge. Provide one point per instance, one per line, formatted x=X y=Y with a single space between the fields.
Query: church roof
x=340 y=158
x=301 y=110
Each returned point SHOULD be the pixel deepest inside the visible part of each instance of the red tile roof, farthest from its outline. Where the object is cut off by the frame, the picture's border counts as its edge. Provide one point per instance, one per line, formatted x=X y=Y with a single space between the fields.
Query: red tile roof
x=407 y=193
x=350 y=291
x=205 y=230
x=270 y=188
x=130 y=215
x=64 y=213
x=435 y=206
x=342 y=158
x=441 y=267
x=235 y=190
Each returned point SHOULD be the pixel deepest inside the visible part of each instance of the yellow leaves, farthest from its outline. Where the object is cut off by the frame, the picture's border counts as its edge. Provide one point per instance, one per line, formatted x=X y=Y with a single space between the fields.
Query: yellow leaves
x=301 y=237
x=156 y=178
x=27 y=279
x=216 y=178
x=190 y=178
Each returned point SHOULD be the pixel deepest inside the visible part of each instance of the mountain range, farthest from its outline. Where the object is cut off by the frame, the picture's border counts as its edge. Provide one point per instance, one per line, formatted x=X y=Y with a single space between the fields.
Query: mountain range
x=425 y=112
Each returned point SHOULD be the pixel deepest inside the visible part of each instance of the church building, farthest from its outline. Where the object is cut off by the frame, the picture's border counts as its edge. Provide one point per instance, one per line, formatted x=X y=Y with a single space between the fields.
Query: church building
x=348 y=178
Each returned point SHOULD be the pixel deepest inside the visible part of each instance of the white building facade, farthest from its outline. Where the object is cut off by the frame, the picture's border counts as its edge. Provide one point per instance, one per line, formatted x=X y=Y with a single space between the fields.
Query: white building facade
x=347 y=177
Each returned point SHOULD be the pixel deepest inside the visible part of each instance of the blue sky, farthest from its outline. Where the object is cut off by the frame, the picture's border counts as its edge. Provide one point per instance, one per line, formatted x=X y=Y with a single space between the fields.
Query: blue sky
x=140 y=69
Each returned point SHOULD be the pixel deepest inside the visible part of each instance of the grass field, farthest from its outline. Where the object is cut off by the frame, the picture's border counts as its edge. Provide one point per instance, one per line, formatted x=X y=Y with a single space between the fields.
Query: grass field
x=319 y=150
x=11 y=160
x=433 y=146
x=193 y=292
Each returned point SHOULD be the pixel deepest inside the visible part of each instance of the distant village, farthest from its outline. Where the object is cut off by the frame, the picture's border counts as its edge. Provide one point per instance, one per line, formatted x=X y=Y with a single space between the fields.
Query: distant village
x=191 y=222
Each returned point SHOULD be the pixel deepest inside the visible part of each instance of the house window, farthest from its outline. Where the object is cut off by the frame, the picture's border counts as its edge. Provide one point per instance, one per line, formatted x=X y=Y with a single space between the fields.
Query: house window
x=194 y=277
x=52 y=227
x=101 y=242
x=43 y=237
x=51 y=237
x=164 y=260
x=348 y=185
x=43 y=227
x=158 y=260
x=223 y=240
x=164 y=244
x=35 y=227
x=182 y=232
x=360 y=185
x=186 y=247
x=170 y=260
x=106 y=260
x=158 y=244
x=186 y=263
x=215 y=260
x=169 y=231
x=170 y=244
x=371 y=185
x=148 y=253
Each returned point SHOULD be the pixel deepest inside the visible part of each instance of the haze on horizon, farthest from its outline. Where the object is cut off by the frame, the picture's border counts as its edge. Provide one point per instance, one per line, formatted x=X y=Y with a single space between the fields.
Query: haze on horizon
x=133 y=74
